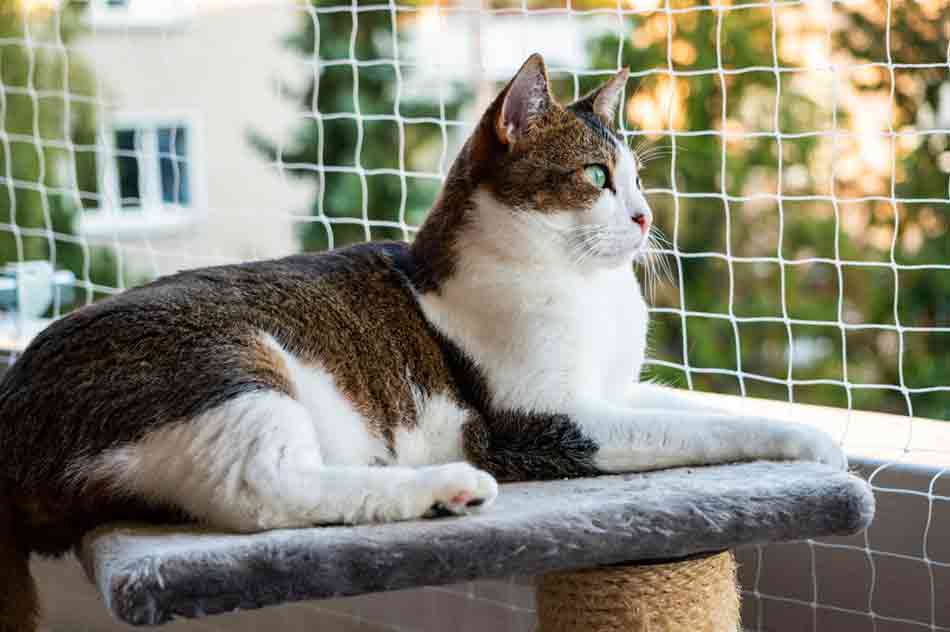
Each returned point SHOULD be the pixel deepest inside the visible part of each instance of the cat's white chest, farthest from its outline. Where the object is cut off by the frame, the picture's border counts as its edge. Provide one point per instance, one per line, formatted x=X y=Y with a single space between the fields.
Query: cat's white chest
x=606 y=335
x=544 y=340
x=622 y=338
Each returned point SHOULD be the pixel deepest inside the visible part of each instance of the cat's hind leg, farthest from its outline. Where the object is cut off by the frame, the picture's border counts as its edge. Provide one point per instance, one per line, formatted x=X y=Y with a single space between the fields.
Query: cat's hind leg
x=255 y=463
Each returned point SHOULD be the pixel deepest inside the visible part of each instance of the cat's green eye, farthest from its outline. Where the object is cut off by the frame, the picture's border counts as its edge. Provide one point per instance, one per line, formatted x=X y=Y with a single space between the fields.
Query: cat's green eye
x=596 y=175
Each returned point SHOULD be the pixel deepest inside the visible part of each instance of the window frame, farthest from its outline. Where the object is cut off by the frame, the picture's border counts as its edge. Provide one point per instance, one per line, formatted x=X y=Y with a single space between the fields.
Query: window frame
x=149 y=14
x=152 y=215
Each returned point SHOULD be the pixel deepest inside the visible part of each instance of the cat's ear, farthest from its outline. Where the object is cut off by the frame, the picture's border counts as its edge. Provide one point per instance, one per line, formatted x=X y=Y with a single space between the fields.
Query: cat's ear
x=526 y=98
x=603 y=101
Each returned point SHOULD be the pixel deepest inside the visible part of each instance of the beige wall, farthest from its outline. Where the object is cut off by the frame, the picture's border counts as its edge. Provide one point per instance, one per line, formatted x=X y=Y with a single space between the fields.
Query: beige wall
x=220 y=68
x=71 y=604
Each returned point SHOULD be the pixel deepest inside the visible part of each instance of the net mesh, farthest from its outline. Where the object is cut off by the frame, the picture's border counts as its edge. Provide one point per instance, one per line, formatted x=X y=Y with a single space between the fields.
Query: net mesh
x=796 y=155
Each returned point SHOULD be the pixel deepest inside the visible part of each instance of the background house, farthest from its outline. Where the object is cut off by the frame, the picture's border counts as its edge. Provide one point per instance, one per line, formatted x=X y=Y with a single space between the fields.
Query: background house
x=181 y=84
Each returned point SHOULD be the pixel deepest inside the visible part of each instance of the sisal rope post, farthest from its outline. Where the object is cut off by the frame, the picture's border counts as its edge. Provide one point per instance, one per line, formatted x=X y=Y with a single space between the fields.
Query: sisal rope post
x=693 y=595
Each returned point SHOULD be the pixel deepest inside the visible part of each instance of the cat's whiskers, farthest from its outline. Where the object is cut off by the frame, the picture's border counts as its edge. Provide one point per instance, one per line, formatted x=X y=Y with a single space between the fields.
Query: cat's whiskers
x=653 y=153
x=645 y=258
x=583 y=242
x=656 y=266
x=564 y=232
x=645 y=148
x=644 y=144
x=586 y=245
x=590 y=241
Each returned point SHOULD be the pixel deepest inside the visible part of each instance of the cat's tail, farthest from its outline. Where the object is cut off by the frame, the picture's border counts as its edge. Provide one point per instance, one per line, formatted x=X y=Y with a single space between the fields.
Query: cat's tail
x=19 y=603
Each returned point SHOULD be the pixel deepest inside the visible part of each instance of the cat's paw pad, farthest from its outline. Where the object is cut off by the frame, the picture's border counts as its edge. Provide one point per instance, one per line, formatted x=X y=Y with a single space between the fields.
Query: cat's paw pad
x=458 y=488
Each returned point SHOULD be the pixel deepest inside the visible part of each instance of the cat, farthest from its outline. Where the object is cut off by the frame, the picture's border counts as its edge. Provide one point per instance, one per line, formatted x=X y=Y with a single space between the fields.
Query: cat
x=379 y=382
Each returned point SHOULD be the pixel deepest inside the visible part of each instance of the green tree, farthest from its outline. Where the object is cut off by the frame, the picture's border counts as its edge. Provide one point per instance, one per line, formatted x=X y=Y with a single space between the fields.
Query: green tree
x=47 y=162
x=773 y=240
x=921 y=101
x=759 y=222
x=349 y=142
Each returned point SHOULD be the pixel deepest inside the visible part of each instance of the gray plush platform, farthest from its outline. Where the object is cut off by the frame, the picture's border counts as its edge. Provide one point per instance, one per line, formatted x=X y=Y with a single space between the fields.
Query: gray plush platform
x=150 y=575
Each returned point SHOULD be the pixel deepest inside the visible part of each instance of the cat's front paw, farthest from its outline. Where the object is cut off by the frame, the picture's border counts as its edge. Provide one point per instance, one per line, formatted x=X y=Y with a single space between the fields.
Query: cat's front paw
x=800 y=442
x=455 y=489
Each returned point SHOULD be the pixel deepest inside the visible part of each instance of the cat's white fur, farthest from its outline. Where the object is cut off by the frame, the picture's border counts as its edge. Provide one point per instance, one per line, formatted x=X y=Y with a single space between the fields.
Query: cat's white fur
x=341 y=432
x=266 y=461
x=256 y=463
x=553 y=327
x=436 y=437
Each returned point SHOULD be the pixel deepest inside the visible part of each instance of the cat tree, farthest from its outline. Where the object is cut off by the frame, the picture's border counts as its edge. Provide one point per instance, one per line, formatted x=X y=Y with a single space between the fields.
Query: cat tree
x=635 y=553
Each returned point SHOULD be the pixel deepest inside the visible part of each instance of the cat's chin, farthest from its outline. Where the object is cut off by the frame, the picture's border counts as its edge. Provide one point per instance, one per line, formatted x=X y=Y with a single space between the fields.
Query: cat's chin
x=641 y=252
x=621 y=256
x=623 y=252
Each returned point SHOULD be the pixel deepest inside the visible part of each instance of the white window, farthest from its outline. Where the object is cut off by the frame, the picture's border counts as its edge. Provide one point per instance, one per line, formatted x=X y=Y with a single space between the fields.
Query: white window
x=149 y=180
x=137 y=13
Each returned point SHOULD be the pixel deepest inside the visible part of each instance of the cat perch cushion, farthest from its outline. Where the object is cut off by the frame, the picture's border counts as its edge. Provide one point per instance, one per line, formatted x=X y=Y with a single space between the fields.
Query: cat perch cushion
x=150 y=575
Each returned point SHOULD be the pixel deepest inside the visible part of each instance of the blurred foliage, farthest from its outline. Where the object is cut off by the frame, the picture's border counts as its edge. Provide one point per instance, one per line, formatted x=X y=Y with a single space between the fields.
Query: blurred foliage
x=783 y=251
x=48 y=145
x=367 y=173
x=762 y=220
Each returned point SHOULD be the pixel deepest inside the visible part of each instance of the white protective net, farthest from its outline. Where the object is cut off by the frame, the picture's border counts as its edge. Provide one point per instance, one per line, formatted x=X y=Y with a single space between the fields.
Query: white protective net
x=796 y=155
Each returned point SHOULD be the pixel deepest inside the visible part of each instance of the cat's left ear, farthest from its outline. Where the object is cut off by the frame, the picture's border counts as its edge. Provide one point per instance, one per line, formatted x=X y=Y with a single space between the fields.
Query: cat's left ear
x=603 y=101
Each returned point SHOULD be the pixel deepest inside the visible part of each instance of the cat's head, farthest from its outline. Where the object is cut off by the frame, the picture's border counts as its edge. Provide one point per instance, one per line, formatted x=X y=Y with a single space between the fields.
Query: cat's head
x=557 y=182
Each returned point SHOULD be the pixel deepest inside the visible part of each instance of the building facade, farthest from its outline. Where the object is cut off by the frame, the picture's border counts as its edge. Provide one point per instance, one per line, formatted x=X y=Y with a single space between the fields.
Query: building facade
x=181 y=87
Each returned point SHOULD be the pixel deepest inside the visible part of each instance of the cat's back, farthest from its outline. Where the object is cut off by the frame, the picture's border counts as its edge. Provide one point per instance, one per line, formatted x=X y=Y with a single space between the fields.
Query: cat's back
x=184 y=344
x=191 y=310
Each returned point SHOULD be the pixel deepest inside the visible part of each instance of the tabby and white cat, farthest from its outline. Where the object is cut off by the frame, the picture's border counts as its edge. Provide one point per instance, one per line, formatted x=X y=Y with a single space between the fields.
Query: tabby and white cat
x=379 y=382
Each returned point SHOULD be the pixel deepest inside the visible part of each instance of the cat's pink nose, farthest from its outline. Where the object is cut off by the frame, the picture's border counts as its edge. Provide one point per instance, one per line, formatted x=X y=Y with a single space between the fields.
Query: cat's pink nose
x=641 y=220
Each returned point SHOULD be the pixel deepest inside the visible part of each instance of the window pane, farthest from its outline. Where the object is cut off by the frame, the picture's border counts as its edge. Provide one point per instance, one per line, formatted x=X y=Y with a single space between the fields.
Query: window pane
x=127 y=161
x=173 y=165
x=118 y=3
